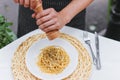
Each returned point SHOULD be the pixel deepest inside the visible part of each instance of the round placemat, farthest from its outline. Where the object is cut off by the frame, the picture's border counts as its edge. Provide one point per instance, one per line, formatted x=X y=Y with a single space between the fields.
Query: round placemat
x=20 y=71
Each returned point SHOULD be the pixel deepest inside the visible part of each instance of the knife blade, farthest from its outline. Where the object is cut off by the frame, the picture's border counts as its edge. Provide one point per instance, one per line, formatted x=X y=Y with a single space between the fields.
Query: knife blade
x=98 y=64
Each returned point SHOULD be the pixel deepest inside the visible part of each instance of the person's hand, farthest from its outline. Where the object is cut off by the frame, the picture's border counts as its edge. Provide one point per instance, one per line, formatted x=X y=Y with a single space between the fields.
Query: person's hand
x=27 y=3
x=49 y=20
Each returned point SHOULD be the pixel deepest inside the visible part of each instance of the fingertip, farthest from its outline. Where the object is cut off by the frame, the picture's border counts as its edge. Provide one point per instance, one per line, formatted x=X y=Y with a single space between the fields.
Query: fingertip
x=31 y=8
x=41 y=28
x=33 y=15
x=26 y=3
x=26 y=6
x=16 y=1
x=46 y=30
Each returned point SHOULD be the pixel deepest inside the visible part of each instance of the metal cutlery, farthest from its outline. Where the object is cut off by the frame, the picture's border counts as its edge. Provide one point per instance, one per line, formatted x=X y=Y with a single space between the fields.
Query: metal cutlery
x=88 y=42
x=98 y=65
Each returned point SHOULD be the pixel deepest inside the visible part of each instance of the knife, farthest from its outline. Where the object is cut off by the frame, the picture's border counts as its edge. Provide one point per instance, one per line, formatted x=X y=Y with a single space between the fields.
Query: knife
x=98 y=64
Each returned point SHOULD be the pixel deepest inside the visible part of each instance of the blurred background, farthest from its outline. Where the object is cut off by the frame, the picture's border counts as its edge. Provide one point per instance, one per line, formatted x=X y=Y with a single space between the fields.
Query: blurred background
x=97 y=16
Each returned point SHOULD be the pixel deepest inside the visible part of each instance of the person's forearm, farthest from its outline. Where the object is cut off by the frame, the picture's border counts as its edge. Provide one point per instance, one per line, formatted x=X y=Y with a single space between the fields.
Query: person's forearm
x=73 y=9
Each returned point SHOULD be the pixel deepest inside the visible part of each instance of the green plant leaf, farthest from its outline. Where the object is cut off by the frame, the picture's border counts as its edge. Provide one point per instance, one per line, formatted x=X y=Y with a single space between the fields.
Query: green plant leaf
x=2 y=19
x=5 y=36
x=8 y=30
x=8 y=24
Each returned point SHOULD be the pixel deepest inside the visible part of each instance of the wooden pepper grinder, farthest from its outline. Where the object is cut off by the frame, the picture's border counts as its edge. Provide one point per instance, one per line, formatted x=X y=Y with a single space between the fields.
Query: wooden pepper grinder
x=52 y=34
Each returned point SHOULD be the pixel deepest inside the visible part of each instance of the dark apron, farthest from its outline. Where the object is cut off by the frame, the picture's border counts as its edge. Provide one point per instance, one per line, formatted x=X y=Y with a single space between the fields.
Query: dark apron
x=26 y=23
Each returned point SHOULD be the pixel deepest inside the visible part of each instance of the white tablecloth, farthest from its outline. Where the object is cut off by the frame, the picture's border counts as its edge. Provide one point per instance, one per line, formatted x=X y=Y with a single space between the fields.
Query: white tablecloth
x=109 y=51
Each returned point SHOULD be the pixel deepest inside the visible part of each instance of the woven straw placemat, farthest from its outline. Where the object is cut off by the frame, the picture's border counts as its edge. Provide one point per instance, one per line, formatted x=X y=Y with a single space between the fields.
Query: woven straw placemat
x=20 y=71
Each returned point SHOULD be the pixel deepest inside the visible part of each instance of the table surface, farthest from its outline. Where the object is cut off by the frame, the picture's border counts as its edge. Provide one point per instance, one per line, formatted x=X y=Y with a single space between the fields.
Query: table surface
x=109 y=53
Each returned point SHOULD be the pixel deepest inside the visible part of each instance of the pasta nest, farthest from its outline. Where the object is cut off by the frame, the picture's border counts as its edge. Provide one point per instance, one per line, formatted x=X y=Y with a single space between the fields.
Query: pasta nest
x=53 y=59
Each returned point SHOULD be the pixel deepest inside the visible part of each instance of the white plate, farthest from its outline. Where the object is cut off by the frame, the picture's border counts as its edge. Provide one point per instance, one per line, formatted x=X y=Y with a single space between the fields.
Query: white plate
x=34 y=51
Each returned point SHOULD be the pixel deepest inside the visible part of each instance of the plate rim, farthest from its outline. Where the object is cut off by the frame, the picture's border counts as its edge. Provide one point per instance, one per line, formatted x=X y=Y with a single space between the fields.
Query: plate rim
x=38 y=53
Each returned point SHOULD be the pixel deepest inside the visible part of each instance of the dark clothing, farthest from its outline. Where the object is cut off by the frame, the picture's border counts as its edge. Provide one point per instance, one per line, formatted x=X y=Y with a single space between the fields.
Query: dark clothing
x=113 y=30
x=26 y=23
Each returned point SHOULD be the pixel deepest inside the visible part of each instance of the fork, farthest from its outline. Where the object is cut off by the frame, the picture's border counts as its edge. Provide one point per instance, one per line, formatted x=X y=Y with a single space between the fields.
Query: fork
x=88 y=42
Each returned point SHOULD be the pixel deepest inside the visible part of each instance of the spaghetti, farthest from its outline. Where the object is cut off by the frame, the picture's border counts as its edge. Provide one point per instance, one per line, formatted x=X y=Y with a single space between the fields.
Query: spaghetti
x=53 y=59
